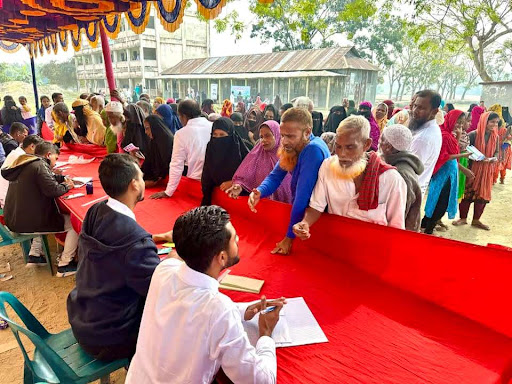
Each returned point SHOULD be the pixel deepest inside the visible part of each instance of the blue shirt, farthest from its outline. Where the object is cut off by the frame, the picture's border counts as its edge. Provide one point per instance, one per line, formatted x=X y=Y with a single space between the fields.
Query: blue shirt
x=304 y=177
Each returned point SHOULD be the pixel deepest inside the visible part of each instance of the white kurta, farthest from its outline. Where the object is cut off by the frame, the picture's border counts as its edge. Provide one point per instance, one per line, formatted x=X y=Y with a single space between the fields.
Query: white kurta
x=341 y=198
x=189 y=330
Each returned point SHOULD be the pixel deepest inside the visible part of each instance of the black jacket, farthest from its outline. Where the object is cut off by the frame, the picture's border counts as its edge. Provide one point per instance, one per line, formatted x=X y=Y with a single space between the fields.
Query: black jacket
x=117 y=258
x=8 y=143
x=30 y=204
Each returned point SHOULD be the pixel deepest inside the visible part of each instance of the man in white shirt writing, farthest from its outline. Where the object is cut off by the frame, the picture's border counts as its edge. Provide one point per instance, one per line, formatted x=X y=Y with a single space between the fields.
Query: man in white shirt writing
x=189 y=147
x=189 y=330
x=356 y=184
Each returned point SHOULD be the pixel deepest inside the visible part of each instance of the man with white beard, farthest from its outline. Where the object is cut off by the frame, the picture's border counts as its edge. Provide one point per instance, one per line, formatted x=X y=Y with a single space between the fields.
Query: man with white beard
x=356 y=184
x=116 y=119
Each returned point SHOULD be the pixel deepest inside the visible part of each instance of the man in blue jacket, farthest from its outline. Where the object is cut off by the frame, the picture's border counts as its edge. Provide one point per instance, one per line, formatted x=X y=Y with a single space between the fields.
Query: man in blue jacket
x=301 y=154
x=117 y=258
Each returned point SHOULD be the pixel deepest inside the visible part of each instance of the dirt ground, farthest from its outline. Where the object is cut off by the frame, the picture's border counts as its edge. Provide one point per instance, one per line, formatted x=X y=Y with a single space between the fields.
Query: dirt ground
x=45 y=295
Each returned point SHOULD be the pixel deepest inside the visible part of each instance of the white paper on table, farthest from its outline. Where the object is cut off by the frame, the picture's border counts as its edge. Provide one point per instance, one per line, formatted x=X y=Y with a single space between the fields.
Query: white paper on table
x=73 y=159
x=296 y=326
x=81 y=181
x=60 y=164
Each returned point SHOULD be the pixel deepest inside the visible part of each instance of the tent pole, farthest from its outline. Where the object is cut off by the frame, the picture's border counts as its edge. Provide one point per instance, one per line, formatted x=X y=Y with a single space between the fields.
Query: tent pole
x=107 y=60
x=34 y=82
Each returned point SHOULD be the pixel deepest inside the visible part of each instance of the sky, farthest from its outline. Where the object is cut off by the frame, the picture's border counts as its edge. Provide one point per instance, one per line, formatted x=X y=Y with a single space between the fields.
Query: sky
x=221 y=44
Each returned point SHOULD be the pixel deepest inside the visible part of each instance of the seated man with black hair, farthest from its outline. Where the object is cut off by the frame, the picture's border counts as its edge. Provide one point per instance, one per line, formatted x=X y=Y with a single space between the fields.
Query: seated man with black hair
x=117 y=258
x=11 y=141
x=189 y=329
x=30 y=205
x=57 y=98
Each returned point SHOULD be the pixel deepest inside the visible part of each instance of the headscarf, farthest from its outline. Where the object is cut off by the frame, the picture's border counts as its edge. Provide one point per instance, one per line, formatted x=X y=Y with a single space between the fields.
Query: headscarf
x=258 y=101
x=223 y=156
x=330 y=139
x=259 y=163
x=259 y=120
x=476 y=113
x=135 y=133
x=169 y=117
x=170 y=100
x=374 y=127
x=227 y=108
x=497 y=109
x=506 y=116
x=156 y=164
x=159 y=100
x=241 y=107
x=241 y=130
x=336 y=115
x=207 y=106
x=79 y=106
x=389 y=103
x=382 y=122
x=450 y=145
x=318 y=123
x=484 y=172
x=274 y=110
x=9 y=114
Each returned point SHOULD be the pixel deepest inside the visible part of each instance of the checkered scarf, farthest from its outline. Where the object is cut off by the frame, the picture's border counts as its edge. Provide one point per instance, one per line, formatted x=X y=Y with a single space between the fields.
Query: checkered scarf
x=369 y=191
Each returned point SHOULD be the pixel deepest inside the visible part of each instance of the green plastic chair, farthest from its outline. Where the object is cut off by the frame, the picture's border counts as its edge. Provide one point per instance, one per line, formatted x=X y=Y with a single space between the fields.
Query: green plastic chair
x=57 y=358
x=10 y=238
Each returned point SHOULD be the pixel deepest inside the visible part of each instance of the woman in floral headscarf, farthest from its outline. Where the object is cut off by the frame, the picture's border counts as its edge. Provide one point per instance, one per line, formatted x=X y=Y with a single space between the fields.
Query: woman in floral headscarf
x=227 y=108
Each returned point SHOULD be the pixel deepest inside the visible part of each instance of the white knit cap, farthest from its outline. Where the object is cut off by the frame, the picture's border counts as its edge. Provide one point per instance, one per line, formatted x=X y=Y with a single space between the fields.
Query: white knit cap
x=115 y=107
x=399 y=136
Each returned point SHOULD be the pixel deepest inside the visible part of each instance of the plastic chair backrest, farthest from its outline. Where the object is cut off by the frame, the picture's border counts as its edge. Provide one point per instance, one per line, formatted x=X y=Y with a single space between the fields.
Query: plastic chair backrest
x=4 y=233
x=51 y=368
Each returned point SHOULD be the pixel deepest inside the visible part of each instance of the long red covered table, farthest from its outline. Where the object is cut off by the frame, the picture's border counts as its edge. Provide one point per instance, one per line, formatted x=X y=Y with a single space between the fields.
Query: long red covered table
x=397 y=307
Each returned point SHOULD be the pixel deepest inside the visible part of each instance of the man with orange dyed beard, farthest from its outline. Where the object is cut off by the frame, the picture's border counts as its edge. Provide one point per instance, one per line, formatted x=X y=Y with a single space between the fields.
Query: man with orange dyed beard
x=301 y=154
x=357 y=184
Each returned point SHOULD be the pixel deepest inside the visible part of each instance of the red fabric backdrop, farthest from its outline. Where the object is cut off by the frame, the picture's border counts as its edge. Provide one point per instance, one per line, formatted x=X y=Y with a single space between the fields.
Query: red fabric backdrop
x=397 y=307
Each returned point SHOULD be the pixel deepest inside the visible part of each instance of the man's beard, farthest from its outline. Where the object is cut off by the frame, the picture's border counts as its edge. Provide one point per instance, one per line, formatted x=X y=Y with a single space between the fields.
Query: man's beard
x=117 y=129
x=348 y=173
x=232 y=260
x=140 y=197
x=288 y=159
x=416 y=124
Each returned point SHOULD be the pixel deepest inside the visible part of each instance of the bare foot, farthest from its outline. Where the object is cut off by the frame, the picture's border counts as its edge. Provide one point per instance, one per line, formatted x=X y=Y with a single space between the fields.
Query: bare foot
x=460 y=222
x=479 y=224
x=502 y=181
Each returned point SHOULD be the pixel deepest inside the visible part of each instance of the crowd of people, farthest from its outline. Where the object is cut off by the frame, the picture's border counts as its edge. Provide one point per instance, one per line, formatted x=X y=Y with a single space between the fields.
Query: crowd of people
x=374 y=163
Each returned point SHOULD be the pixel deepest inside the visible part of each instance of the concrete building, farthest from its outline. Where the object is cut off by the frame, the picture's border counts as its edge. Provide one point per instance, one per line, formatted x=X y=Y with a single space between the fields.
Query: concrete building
x=497 y=92
x=140 y=59
x=325 y=75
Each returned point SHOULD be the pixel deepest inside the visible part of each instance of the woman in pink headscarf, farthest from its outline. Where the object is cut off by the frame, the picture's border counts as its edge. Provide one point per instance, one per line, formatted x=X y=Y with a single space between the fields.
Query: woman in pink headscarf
x=365 y=109
x=259 y=163
x=475 y=117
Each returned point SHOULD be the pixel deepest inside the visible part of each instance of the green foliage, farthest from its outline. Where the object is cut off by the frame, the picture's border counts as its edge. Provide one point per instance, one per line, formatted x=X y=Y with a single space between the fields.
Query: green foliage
x=231 y=22
x=305 y=24
x=15 y=72
x=63 y=73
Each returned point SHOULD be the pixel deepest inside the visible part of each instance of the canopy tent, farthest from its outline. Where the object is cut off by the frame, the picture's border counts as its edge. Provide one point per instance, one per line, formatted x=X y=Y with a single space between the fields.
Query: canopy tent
x=44 y=25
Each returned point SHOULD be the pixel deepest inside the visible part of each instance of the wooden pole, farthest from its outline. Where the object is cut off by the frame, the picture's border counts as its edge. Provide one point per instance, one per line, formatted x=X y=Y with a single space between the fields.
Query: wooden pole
x=107 y=60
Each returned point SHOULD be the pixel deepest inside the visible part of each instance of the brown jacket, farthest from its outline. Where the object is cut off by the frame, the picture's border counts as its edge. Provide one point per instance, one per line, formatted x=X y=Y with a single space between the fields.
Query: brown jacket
x=30 y=204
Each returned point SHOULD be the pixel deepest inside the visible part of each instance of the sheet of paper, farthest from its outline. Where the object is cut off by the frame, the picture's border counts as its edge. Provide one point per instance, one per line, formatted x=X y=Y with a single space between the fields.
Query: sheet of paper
x=299 y=328
x=81 y=181
x=61 y=163
x=476 y=155
x=130 y=148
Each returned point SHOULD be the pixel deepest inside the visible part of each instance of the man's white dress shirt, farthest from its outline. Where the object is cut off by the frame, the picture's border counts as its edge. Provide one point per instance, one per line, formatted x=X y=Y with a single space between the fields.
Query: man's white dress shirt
x=48 y=117
x=426 y=144
x=189 y=330
x=121 y=208
x=340 y=197
x=189 y=148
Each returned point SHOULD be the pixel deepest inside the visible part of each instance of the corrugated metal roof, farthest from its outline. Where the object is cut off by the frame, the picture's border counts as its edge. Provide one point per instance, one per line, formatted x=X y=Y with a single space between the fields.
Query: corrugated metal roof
x=306 y=60
x=265 y=75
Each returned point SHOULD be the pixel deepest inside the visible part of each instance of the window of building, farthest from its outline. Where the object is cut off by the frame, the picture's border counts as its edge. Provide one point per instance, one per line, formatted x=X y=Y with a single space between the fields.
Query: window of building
x=318 y=91
x=112 y=57
x=98 y=59
x=121 y=56
x=79 y=60
x=123 y=25
x=253 y=83
x=298 y=87
x=87 y=60
x=151 y=22
x=135 y=55
x=337 y=91
x=149 y=53
x=267 y=91
x=282 y=89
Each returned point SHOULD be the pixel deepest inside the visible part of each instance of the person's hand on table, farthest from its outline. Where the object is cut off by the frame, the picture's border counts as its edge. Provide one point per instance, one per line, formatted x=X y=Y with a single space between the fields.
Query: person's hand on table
x=57 y=171
x=268 y=321
x=254 y=199
x=283 y=247
x=159 y=195
x=301 y=230
x=68 y=183
x=163 y=237
x=234 y=191
x=253 y=309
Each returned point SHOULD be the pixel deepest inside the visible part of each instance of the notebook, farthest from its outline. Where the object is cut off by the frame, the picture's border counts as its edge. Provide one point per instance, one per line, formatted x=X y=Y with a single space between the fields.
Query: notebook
x=296 y=326
x=241 y=283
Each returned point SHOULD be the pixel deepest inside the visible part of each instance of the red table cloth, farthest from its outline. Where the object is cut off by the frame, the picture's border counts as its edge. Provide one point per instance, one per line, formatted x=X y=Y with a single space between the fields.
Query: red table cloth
x=397 y=307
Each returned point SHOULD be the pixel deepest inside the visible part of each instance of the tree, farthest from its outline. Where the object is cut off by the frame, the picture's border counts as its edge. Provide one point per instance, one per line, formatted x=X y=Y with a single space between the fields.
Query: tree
x=304 y=24
x=473 y=25
x=63 y=73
